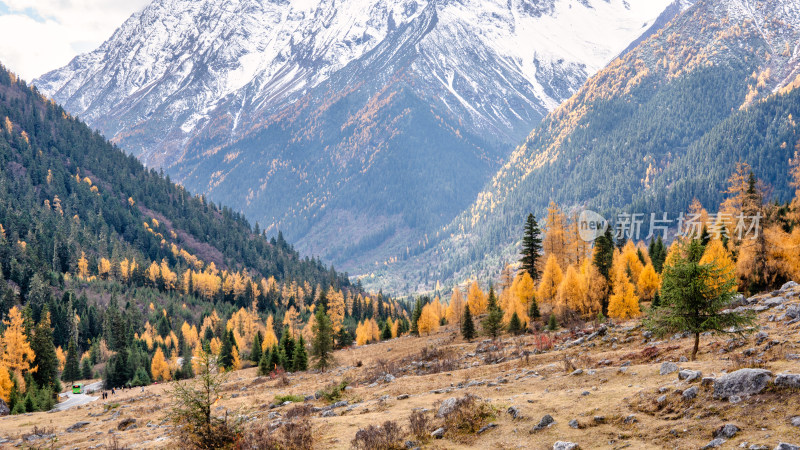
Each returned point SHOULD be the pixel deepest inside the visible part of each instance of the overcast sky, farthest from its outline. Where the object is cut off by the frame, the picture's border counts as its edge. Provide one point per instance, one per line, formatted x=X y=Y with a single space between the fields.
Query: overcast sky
x=41 y=35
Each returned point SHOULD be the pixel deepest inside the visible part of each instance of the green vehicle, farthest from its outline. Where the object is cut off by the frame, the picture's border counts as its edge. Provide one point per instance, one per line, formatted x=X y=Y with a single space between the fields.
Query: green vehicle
x=77 y=388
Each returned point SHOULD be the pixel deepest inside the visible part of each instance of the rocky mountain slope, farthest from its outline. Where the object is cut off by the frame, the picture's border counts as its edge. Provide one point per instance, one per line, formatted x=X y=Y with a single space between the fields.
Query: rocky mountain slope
x=663 y=124
x=357 y=126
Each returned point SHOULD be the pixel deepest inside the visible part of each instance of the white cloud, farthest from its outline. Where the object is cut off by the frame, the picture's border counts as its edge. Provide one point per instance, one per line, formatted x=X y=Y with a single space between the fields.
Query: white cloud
x=40 y=35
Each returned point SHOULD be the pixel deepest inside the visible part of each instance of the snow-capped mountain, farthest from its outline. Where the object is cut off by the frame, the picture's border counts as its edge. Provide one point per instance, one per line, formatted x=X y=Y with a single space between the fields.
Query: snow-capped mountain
x=251 y=101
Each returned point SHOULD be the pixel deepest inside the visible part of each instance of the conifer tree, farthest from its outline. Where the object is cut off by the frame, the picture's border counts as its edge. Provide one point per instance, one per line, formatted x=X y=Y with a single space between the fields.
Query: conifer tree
x=415 y=315
x=187 y=368
x=515 y=325
x=694 y=296
x=274 y=358
x=255 y=352
x=45 y=360
x=72 y=370
x=86 y=369
x=552 y=324
x=225 y=352
x=263 y=364
x=300 y=355
x=533 y=310
x=467 y=325
x=322 y=345
x=493 y=322
x=287 y=345
x=386 y=332
x=531 y=247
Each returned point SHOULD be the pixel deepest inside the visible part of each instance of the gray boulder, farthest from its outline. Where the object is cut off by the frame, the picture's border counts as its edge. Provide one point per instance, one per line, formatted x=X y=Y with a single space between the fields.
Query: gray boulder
x=785 y=446
x=726 y=431
x=690 y=393
x=447 y=407
x=668 y=368
x=563 y=445
x=76 y=426
x=126 y=424
x=741 y=382
x=795 y=421
x=4 y=410
x=788 y=380
x=690 y=375
x=546 y=421
x=788 y=285
x=715 y=443
x=438 y=433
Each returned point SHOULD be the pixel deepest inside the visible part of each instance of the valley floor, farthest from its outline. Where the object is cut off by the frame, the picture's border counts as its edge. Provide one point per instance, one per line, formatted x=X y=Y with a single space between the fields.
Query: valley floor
x=611 y=385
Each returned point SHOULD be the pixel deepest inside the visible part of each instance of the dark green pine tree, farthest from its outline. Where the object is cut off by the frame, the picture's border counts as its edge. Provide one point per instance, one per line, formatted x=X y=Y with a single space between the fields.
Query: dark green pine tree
x=693 y=300
x=344 y=338
x=187 y=369
x=322 y=345
x=603 y=259
x=263 y=364
x=493 y=322
x=274 y=358
x=386 y=332
x=226 y=352
x=300 y=355
x=415 y=316
x=287 y=345
x=86 y=369
x=467 y=325
x=531 y=247
x=255 y=352
x=45 y=361
x=533 y=310
x=552 y=324
x=514 y=324
x=72 y=369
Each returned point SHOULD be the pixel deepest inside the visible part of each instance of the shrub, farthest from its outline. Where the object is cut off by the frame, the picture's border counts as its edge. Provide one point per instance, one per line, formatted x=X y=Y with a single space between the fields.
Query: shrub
x=419 y=424
x=295 y=435
x=388 y=436
x=333 y=393
x=468 y=416
x=294 y=398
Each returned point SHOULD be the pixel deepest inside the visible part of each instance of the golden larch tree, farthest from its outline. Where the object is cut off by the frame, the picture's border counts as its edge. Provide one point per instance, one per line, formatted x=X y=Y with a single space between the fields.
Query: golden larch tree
x=336 y=309
x=159 y=367
x=476 y=299
x=623 y=303
x=17 y=354
x=648 y=283
x=455 y=310
x=551 y=279
x=428 y=321
x=572 y=292
x=716 y=255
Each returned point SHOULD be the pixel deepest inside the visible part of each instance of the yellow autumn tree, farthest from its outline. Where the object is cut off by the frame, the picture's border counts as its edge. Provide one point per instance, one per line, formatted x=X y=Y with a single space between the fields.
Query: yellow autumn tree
x=62 y=357
x=596 y=287
x=269 y=334
x=572 y=292
x=336 y=309
x=648 y=284
x=104 y=268
x=17 y=355
x=716 y=255
x=428 y=321
x=551 y=279
x=83 y=266
x=455 y=309
x=5 y=384
x=236 y=363
x=476 y=299
x=556 y=239
x=623 y=303
x=524 y=289
x=159 y=367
